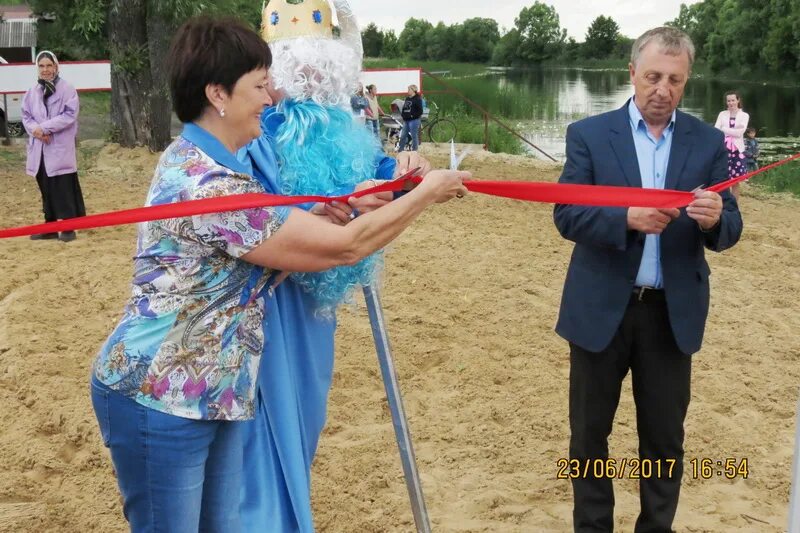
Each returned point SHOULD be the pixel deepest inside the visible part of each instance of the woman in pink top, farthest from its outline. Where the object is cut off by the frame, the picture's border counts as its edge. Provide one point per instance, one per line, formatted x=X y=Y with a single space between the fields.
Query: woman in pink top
x=733 y=122
x=50 y=116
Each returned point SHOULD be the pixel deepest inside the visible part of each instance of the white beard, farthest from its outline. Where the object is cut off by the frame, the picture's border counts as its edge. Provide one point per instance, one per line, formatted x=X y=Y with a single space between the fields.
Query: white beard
x=326 y=71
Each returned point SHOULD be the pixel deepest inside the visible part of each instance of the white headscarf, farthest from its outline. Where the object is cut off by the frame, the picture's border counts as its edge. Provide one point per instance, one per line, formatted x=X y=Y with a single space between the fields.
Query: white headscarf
x=49 y=53
x=48 y=86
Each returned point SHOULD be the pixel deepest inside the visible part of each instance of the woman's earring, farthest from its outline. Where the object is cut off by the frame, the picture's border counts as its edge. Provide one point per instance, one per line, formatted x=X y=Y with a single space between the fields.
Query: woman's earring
x=222 y=112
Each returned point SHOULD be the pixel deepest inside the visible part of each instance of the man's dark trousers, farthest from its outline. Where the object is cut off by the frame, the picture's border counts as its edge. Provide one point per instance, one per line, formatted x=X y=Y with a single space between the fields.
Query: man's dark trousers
x=661 y=375
x=655 y=338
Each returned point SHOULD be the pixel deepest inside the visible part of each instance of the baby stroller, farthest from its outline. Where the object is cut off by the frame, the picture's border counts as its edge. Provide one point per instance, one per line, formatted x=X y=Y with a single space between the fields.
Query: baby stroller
x=393 y=123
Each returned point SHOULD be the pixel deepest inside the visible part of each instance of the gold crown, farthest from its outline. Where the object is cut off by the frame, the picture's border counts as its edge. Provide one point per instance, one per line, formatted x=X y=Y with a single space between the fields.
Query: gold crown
x=286 y=19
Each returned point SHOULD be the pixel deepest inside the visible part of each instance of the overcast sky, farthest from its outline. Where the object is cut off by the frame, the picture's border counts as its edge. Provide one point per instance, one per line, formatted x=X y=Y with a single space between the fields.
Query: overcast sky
x=633 y=16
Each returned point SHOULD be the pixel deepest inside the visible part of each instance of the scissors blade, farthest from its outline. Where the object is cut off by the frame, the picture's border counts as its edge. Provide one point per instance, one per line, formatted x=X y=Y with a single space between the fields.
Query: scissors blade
x=408 y=174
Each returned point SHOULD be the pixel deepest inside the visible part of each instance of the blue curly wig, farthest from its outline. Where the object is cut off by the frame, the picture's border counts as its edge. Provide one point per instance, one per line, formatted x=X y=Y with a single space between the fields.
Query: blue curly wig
x=322 y=150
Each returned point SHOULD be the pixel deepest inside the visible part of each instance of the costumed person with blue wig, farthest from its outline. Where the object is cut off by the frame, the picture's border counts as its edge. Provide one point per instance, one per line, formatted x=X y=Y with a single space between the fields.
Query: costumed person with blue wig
x=310 y=144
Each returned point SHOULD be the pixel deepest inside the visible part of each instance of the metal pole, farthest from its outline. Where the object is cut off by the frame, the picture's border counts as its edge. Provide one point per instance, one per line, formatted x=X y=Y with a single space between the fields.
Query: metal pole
x=794 y=499
x=399 y=421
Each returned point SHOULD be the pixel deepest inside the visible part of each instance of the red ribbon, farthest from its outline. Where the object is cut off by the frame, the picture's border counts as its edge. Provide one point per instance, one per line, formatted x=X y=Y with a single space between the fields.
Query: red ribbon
x=561 y=193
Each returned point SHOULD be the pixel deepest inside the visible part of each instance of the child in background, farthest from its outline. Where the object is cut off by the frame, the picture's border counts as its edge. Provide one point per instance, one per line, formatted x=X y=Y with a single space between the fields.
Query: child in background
x=751 y=150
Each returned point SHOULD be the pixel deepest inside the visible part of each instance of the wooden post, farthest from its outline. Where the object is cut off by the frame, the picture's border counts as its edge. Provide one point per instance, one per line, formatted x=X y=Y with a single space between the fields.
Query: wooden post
x=486 y=131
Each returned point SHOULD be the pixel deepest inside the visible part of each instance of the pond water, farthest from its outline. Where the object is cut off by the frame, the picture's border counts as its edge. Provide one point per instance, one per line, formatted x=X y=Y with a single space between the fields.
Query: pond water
x=540 y=103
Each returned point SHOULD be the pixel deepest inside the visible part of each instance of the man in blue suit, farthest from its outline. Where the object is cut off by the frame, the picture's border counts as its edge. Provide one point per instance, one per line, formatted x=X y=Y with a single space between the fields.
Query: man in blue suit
x=636 y=294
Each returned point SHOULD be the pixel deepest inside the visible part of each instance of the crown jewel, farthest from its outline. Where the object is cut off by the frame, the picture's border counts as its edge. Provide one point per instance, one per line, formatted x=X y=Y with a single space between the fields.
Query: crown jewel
x=286 y=19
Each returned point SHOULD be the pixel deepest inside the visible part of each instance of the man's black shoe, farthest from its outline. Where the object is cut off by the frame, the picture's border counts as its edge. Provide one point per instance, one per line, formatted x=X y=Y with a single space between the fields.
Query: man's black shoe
x=67 y=236
x=43 y=236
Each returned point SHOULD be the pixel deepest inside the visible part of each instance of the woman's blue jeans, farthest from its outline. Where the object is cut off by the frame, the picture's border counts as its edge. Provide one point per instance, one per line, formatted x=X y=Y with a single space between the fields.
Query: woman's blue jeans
x=412 y=127
x=175 y=474
x=374 y=127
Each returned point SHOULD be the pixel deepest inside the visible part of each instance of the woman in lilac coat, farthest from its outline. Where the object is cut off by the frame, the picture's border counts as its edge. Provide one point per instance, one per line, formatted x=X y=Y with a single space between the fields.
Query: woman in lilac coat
x=50 y=115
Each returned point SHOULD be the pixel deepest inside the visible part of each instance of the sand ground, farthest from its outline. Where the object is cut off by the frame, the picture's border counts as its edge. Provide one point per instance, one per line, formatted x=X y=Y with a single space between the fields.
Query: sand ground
x=471 y=295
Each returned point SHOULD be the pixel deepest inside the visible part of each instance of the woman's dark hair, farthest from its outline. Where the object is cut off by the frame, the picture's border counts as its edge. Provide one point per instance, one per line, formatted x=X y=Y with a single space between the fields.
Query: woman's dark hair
x=211 y=51
x=736 y=94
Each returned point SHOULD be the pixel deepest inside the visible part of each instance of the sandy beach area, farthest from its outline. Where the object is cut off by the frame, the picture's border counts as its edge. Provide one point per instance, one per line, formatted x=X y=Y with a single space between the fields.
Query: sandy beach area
x=471 y=294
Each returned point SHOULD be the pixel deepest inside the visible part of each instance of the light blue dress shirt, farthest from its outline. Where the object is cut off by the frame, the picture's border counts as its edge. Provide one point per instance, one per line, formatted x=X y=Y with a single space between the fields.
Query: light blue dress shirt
x=653 y=156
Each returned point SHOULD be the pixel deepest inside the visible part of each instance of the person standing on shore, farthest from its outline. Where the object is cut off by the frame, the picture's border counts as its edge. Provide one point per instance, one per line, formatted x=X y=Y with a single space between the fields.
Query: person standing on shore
x=176 y=380
x=50 y=116
x=309 y=145
x=412 y=114
x=375 y=111
x=360 y=104
x=733 y=122
x=751 y=150
x=636 y=294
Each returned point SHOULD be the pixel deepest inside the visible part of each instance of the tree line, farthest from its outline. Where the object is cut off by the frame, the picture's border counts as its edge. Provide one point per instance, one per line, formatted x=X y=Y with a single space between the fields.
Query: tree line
x=537 y=36
x=744 y=35
x=740 y=35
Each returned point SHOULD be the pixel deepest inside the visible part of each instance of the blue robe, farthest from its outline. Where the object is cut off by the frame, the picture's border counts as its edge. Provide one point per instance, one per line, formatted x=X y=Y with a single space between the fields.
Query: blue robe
x=293 y=383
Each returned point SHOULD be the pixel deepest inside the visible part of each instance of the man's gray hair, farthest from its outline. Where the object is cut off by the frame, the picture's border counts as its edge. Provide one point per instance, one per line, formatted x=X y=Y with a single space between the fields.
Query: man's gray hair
x=670 y=40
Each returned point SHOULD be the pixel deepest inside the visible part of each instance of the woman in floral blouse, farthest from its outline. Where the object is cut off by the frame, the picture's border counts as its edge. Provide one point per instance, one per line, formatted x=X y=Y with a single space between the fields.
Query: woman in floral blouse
x=178 y=373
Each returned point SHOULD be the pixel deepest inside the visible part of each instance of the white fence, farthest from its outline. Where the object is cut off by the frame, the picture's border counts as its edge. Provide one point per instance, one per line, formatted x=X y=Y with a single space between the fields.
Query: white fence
x=392 y=81
x=83 y=75
x=17 y=78
x=96 y=76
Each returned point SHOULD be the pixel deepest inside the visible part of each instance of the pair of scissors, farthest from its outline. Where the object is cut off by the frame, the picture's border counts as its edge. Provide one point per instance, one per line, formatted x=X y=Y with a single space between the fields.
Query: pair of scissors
x=410 y=174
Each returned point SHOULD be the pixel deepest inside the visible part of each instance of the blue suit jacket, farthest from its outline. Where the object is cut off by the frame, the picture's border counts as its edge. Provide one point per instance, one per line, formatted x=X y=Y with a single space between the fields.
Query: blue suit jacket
x=606 y=257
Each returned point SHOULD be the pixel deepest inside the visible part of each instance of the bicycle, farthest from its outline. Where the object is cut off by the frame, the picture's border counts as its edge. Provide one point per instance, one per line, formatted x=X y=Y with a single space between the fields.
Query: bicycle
x=438 y=129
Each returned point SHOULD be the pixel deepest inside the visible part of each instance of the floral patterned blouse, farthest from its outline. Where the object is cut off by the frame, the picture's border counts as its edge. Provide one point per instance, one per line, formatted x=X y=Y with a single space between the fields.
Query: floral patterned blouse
x=190 y=340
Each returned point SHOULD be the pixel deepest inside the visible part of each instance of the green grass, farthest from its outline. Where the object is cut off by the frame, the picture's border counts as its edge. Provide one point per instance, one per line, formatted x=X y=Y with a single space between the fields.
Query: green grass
x=785 y=178
x=95 y=115
x=96 y=102
x=471 y=130
x=13 y=157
